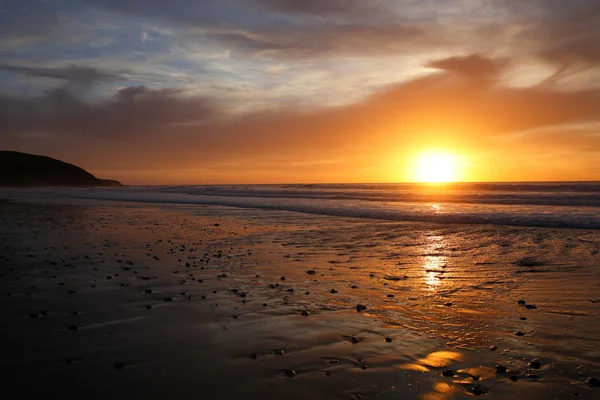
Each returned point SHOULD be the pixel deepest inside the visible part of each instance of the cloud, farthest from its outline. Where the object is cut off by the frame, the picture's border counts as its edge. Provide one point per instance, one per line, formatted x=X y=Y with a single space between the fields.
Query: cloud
x=437 y=107
x=132 y=113
x=74 y=76
x=474 y=67
x=320 y=7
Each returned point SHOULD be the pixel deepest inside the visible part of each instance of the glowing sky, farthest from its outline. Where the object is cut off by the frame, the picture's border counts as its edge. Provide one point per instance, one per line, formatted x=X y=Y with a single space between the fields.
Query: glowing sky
x=236 y=91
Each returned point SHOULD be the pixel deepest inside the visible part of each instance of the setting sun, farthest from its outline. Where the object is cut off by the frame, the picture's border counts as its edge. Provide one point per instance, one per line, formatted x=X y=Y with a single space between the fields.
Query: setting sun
x=435 y=167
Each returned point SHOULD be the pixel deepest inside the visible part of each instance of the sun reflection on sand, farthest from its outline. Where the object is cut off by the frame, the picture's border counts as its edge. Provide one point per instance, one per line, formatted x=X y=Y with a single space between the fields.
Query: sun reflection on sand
x=434 y=263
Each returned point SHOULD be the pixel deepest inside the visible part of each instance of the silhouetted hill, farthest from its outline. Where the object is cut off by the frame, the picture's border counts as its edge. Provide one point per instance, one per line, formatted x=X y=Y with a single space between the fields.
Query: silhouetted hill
x=22 y=169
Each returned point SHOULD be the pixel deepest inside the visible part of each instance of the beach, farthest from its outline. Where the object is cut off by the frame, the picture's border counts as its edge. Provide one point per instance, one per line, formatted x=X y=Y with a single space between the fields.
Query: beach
x=120 y=299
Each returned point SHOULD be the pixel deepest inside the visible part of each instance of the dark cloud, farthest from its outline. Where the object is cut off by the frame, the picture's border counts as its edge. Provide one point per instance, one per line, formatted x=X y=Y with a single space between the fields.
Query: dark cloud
x=564 y=34
x=475 y=67
x=74 y=76
x=320 y=7
x=132 y=113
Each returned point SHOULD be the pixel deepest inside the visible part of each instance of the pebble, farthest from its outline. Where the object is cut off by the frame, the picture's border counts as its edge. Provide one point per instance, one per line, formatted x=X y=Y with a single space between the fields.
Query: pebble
x=361 y=307
x=535 y=364
x=278 y=352
x=519 y=333
x=448 y=373
x=311 y=272
x=388 y=339
x=305 y=313
x=501 y=369
x=290 y=373
x=333 y=291
x=479 y=390
x=119 y=365
x=354 y=339
x=493 y=348
x=521 y=302
x=593 y=382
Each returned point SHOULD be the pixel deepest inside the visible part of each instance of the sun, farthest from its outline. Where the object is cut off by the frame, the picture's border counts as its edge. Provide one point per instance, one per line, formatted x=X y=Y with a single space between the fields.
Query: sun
x=435 y=167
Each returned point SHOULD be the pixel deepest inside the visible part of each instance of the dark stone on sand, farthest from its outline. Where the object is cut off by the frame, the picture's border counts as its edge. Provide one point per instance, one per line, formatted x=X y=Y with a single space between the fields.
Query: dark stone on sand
x=513 y=378
x=530 y=307
x=278 y=352
x=501 y=369
x=305 y=313
x=282 y=278
x=290 y=373
x=167 y=299
x=311 y=272
x=535 y=364
x=519 y=333
x=390 y=295
x=354 y=340
x=448 y=373
x=333 y=291
x=361 y=307
x=388 y=339
x=448 y=304
x=148 y=291
x=72 y=327
x=222 y=276
x=353 y=287
x=593 y=382
x=493 y=348
x=479 y=390
x=521 y=302
x=119 y=365
x=149 y=307
x=523 y=318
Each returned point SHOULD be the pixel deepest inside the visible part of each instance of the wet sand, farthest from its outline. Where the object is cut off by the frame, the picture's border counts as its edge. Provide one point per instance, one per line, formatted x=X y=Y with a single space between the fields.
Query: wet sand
x=109 y=300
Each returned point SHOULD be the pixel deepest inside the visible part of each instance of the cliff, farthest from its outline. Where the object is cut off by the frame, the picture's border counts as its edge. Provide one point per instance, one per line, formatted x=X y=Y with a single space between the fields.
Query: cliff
x=25 y=170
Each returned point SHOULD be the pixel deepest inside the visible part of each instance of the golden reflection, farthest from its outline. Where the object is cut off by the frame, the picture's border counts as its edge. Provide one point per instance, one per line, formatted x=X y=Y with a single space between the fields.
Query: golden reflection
x=435 y=261
x=436 y=360
x=441 y=359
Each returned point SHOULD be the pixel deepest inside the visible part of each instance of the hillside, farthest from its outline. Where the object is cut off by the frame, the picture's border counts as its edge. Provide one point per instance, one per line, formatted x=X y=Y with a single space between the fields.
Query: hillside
x=26 y=170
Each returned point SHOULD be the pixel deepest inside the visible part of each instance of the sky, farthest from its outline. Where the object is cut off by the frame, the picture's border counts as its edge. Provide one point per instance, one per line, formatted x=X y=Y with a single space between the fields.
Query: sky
x=286 y=91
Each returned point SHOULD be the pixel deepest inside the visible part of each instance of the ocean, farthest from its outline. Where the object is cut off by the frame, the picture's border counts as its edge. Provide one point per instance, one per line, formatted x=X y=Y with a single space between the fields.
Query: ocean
x=553 y=204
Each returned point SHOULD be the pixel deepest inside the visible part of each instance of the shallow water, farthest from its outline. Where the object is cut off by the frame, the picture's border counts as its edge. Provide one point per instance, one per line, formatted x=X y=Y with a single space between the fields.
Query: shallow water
x=560 y=205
